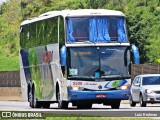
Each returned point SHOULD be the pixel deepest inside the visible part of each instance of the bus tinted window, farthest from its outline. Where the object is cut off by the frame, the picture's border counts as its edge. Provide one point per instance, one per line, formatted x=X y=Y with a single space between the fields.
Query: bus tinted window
x=52 y=30
x=40 y=32
x=85 y=61
x=26 y=35
x=45 y=32
x=55 y=30
x=22 y=36
x=80 y=29
x=112 y=28
x=61 y=32
x=96 y=29
x=32 y=29
x=49 y=30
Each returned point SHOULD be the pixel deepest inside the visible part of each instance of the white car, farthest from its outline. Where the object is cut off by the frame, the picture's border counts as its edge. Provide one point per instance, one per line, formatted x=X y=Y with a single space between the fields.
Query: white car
x=145 y=89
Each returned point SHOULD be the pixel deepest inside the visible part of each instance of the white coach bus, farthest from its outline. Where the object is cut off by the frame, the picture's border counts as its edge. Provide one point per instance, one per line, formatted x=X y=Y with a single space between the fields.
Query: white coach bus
x=81 y=57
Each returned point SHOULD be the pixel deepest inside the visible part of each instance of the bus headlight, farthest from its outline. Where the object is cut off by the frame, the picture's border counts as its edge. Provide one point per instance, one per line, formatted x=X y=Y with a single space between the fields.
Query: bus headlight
x=75 y=88
x=124 y=87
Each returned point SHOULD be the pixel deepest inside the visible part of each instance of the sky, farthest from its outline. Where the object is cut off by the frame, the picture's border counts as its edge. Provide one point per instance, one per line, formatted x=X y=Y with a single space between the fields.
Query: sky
x=1 y=1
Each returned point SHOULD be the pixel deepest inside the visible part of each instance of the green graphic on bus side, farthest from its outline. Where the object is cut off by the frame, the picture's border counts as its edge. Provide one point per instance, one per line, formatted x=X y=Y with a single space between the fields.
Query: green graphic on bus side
x=116 y=83
x=35 y=72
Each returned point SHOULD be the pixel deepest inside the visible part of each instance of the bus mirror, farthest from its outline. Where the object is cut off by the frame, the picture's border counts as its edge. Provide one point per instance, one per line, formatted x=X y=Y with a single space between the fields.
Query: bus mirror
x=135 y=52
x=21 y=30
x=63 y=52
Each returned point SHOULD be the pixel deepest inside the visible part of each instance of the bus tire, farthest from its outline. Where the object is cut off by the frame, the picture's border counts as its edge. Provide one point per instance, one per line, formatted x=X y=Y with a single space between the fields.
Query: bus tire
x=61 y=104
x=35 y=102
x=30 y=97
x=84 y=106
x=46 y=104
x=115 y=105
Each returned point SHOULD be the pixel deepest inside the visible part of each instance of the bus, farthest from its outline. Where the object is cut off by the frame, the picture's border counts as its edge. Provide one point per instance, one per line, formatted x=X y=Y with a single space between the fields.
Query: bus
x=80 y=56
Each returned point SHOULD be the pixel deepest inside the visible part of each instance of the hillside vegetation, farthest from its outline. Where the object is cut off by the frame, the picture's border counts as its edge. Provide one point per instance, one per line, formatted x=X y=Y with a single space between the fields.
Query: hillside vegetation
x=143 y=19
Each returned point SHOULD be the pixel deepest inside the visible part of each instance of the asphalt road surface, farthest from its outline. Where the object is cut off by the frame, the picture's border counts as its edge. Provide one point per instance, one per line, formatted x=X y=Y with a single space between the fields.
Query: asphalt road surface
x=152 y=110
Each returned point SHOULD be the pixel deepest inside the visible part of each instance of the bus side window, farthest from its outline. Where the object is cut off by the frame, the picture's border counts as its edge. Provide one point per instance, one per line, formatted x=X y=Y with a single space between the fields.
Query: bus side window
x=39 y=32
x=26 y=36
x=52 y=30
x=49 y=30
x=61 y=32
x=22 y=36
x=45 y=32
x=55 y=30
x=32 y=34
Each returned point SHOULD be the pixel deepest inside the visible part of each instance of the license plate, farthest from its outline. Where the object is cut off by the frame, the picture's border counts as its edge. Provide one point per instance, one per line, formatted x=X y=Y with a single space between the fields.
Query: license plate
x=100 y=96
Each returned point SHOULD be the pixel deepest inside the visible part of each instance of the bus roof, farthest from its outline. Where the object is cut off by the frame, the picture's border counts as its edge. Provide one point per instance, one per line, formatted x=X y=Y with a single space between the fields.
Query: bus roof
x=74 y=13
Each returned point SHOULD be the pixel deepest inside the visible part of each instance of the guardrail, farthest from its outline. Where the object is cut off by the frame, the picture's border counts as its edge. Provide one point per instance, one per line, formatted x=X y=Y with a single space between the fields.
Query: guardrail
x=10 y=85
x=10 y=79
x=138 y=69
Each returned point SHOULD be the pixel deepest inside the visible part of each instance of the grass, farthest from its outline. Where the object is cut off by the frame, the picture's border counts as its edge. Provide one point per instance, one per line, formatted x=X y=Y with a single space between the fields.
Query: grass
x=95 y=118
x=9 y=63
x=85 y=117
x=89 y=118
x=9 y=60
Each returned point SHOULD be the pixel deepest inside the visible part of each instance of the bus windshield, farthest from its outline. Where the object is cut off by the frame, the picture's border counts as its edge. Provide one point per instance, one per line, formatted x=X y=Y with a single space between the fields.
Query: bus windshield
x=108 y=61
x=96 y=29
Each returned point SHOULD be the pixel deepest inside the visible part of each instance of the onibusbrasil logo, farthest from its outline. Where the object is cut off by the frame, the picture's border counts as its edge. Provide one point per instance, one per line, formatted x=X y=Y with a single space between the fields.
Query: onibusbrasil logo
x=21 y=115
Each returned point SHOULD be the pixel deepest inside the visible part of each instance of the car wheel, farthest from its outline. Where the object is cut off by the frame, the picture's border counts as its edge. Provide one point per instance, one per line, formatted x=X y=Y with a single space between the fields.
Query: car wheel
x=132 y=103
x=142 y=103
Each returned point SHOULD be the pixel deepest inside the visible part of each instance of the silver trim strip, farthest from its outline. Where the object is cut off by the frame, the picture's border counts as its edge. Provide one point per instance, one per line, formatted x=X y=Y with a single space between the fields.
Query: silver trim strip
x=96 y=44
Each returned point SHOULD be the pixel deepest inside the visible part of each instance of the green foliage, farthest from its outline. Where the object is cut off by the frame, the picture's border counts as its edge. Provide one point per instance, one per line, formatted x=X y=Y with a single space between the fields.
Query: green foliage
x=143 y=19
x=143 y=24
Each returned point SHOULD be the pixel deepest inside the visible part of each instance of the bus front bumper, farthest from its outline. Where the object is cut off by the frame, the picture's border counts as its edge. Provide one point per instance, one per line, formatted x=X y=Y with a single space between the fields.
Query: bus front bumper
x=74 y=95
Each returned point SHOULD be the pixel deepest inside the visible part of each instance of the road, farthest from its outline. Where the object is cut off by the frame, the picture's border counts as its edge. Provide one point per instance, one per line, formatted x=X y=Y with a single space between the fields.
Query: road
x=97 y=109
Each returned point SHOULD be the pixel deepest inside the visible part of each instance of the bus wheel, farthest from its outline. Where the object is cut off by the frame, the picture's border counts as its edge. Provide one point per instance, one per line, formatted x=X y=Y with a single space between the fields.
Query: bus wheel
x=46 y=104
x=84 y=106
x=115 y=105
x=30 y=98
x=35 y=102
x=61 y=104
